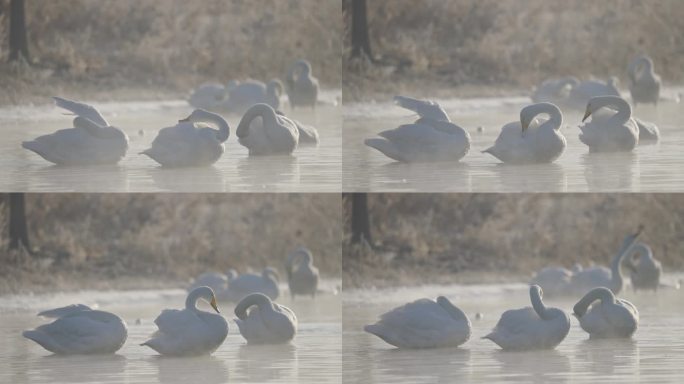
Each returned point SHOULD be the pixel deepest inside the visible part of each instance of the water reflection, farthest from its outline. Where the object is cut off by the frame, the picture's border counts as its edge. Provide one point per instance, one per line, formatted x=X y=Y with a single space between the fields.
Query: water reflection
x=91 y=369
x=526 y=367
x=81 y=178
x=610 y=171
x=437 y=365
x=608 y=356
x=534 y=177
x=192 y=179
x=200 y=369
x=262 y=363
x=268 y=172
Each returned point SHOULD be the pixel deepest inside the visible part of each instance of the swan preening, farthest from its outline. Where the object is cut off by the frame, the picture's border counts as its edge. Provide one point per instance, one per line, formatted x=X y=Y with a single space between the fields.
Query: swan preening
x=644 y=83
x=610 y=317
x=266 y=322
x=644 y=269
x=191 y=142
x=264 y=132
x=431 y=138
x=531 y=140
x=80 y=330
x=91 y=141
x=302 y=87
x=189 y=331
x=609 y=131
x=536 y=327
x=245 y=284
x=423 y=323
x=302 y=276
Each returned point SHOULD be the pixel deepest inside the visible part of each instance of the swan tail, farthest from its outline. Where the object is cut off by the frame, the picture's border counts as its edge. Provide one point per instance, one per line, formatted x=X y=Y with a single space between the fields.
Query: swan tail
x=409 y=103
x=41 y=339
x=386 y=147
x=43 y=151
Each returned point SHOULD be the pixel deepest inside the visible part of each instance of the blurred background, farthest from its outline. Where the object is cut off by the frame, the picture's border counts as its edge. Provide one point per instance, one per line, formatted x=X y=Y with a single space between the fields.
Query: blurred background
x=468 y=238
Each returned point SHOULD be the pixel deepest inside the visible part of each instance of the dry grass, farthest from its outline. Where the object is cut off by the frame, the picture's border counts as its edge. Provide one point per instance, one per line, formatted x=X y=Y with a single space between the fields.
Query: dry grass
x=453 y=237
x=98 y=239
x=162 y=48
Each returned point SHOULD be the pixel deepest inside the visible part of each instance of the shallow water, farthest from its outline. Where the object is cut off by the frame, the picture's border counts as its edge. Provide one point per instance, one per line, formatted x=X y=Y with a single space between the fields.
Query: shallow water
x=310 y=169
x=314 y=355
x=654 y=167
x=653 y=355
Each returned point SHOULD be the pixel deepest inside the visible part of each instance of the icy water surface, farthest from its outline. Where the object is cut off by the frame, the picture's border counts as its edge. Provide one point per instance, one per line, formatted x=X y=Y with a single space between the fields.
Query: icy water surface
x=653 y=355
x=313 y=357
x=309 y=169
x=655 y=168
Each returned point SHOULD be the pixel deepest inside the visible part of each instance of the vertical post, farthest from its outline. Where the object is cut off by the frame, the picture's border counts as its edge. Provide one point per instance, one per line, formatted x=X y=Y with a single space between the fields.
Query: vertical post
x=18 y=41
x=360 y=219
x=18 y=230
x=359 y=30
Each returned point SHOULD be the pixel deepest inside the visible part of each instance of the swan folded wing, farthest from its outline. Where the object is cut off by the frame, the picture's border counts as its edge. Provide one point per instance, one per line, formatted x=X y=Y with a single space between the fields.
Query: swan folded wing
x=81 y=109
x=174 y=322
x=63 y=311
x=423 y=314
x=424 y=108
x=76 y=331
x=412 y=137
x=67 y=146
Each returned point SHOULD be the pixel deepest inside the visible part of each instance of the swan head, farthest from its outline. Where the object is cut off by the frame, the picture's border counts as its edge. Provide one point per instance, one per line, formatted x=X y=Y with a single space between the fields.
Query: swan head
x=528 y=114
x=205 y=293
x=598 y=102
x=631 y=238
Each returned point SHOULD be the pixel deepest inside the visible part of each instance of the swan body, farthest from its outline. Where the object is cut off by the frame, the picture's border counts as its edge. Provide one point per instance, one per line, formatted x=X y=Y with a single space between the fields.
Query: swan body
x=536 y=327
x=189 y=331
x=584 y=91
x=647 y=131
x=431 y=138
x=644 y=270
x=555 y=281
x=308 y=135
x=211 y=95
x=609 y=318
x=644 y=82
x=251 y=92
x=80 y=330
x=556 y=91
x=302 y=87
x=267 y=322
x=91 y=141
x=609 y=131
x=245 y=284
x=217 y=281
x=191 y=142
x=264 y=132
x=302 y=276
x=423 y=323
x=530 y=140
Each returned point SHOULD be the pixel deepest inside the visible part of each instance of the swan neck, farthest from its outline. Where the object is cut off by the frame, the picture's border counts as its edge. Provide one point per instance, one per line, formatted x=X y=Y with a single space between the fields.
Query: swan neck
x=537 y=304
x=455 y=312
x=191 y=301
x=258 y=299
x=624 y=111
x=601 y=293
x=218 y=121
x=259 y=110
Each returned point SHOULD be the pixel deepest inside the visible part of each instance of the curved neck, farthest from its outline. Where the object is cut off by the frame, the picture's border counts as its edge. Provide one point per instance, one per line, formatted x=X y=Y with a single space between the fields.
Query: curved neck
x=191 y=301
x=259 y=110
x=537 y=304
x=624 y=111
x=555 y=116
x=601 y=293
x=274 y=88
x=202 y=116
x=451 y=309
x=258 y=299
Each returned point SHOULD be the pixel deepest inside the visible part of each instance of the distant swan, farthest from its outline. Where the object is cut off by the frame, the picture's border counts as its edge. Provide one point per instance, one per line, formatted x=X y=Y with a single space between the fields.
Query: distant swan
x=251 y=92
x=218 y=282
x=423 y=323
x=264 y=132
x=556 y=91
x=581 y=93
x=211 y=95
x=243 y=285
x=644 y=269
x=609 y=131
x=610 y=318
x=555 y=281
x=431 y=138
x=267 y=323
x=91 y=141
x=191 y=142
x=644 y=83
x=302 y=276
x=302 y=87
x=527 y=328
x=189 y=331
x=80 y=330
x=529 y=140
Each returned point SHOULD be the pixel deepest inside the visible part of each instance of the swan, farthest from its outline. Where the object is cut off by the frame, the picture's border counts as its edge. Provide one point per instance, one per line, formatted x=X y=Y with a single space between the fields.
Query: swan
x=601 y=276
x=80 y=330
x=250 y=92
x=91 y=141
x=609 y=131
x=302 y=276
x=581 y=93
x=302 y=87
x=211 y=95
x=647 y=131
x=267 y=323
x=243 y=285
x=189 y=331
x=530 y=140
x=644 y=270
x=423 y=323
x=214 y=280
x=271 y=134
x=537 y=327
x=431 y=138
x=556 y=91
x=644 y=83
x=191 y=142
x=555 y=280
x=611 y=317
x=308 y=135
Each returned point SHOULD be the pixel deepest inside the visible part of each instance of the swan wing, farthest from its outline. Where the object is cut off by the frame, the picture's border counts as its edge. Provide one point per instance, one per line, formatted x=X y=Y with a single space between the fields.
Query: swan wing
x=63 y=311
x=424 y=108
x=175 y=321
x=81 y=109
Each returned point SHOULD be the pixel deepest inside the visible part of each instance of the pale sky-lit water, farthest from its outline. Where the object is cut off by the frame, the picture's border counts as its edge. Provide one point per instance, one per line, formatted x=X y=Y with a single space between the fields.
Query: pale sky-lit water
x=653 y=168
x=653 y=355
x=309 y=169
x=314 y=356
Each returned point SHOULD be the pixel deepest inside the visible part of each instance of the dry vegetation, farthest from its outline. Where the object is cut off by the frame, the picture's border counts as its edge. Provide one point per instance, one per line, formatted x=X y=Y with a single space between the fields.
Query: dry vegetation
x=433 y=45
x=108 y=49
x=141 y=240
x=470 y=237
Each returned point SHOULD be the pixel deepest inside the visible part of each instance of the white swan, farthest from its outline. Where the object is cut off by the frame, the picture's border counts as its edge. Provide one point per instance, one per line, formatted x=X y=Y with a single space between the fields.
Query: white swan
x=555 y=280
x=217 y=281
x=267 y=323
x=189 y=331
x=556 y=91
x=609 y=318
x=250 y=92
x=265 y=132
x=431 y=138
x=191 y=142
x=644 y=82
x=581 y=93
x=245 y=284
x=644 y=269
x=80 y=330
x=91 y=141
x=529 y=140
x=609 y=131
x=302 y=276
x=423 y=323
x=302 y=87
x=211 y=95
x=601 y=276
x=527 y=328
x=647 y=131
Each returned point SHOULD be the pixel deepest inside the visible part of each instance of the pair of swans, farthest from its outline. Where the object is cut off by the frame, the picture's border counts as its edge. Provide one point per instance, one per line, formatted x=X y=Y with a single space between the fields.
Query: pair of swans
x=262 y=321
x=644 y=83
x=610 y=317
x=302 y=87
x=644 y=269
x=302 y=275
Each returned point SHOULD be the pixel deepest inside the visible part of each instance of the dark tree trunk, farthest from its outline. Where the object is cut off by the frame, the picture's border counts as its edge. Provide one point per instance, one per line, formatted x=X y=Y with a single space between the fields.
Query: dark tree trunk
x=18 y=41
x=18 y=231
x=360 y=219
x=359 y=30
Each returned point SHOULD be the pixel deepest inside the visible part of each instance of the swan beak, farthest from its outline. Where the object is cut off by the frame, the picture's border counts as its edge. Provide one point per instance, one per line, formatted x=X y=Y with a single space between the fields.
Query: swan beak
x=586 y=114
x=213 y=304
